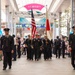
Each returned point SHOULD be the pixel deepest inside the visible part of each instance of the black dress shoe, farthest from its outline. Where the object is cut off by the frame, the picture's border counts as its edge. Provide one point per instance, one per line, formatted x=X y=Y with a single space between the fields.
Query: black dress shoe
x=9 y=67
x=74 y=68
x=64 y=57
x=4 y=68
x=14 y=60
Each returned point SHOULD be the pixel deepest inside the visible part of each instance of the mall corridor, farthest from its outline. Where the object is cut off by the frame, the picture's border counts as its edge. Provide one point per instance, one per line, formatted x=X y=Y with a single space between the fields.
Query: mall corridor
x=31 y=28
x=51 y=67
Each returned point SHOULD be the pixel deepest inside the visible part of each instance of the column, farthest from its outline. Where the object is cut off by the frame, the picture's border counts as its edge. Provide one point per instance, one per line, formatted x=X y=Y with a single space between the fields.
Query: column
x=54 y=29
x=59 y=25
x=0 y=14
x=68 y=24
x=7 y=16
x=68 y=28
x=72 y=12
x=11 y=23
x=14 y=23
x=14 y=26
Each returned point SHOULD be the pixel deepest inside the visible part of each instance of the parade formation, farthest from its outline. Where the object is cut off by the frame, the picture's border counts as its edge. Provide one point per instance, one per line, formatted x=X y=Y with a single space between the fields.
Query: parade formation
x=13 y=47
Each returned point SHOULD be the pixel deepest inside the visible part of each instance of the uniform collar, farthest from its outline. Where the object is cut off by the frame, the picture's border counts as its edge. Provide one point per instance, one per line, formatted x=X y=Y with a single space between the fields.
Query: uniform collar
x=7 y=36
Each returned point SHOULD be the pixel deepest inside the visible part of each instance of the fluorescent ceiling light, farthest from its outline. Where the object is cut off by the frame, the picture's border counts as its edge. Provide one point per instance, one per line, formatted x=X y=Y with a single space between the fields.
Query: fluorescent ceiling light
x=55 y=5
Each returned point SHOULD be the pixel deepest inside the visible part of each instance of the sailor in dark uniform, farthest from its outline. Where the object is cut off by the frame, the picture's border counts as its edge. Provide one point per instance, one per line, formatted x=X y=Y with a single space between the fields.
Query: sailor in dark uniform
x=14 y=54
x=37 y=44
x=28 y=43
x=7 y=46
x=40 y=44
x=18 y=49
x=72 y=46
x=63 y=47
x=58 y=45
x=47 y=49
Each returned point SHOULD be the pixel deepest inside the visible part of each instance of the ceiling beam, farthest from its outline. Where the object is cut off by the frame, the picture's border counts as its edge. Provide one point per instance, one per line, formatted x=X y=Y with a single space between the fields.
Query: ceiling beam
x=14 y=5
x=56 y=5
x=51 y=5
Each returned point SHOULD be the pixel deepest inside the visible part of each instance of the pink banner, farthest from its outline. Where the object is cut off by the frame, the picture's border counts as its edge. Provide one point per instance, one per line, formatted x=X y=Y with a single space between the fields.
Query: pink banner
x=34 y=6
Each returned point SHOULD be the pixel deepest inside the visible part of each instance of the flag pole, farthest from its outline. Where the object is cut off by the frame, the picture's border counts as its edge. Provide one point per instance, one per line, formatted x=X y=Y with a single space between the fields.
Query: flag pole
x=47 y=22
x=31 y=28
x=31 y=24
x=46 y=19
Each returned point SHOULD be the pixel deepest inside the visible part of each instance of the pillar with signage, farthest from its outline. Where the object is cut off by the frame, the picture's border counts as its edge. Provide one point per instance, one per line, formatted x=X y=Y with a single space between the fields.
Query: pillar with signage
x=54 y=29
x=59 y=25
x=11 y=23
x=14 y=26
x=68 y=24
x=7 y=16
x=72 y=12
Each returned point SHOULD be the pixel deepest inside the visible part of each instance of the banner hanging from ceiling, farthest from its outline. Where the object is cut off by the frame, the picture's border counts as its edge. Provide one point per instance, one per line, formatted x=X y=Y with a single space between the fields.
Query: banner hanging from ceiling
x=24 y=23
x=34 y=6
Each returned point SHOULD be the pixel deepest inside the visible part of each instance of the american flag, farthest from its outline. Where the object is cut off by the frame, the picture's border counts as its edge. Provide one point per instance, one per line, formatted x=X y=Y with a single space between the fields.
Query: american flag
x=33 y=31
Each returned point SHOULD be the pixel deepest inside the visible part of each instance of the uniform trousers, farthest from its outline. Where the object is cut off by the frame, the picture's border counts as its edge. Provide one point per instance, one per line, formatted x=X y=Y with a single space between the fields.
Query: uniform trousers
x=7 y=59
x=73 y=58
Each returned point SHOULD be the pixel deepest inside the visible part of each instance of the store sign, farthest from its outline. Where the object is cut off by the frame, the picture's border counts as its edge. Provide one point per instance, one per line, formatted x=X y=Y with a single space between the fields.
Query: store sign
x=34 y=6
x=29 y=26
x=24 y=23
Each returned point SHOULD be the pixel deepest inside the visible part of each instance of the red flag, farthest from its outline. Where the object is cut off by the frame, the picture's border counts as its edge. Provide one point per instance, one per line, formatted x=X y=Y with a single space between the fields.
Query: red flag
x=33 y=25
x=47 y=21
x=47 y=26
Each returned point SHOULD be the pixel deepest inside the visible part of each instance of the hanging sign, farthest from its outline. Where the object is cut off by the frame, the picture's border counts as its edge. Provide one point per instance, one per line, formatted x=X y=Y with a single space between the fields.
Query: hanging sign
x=34 y=6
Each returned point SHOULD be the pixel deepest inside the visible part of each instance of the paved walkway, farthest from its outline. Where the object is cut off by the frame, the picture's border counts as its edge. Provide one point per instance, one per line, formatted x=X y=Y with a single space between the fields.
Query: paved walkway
x=51 y=67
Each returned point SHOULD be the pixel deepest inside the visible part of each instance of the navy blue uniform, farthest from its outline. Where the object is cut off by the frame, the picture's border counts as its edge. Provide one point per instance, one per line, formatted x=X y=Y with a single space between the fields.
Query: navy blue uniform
x=7 y=45
x=18 y=49
x=37 y=44
x=58 y=50
x=47 y=49
x=63 y=48
x=72 y=45
x=29 y=49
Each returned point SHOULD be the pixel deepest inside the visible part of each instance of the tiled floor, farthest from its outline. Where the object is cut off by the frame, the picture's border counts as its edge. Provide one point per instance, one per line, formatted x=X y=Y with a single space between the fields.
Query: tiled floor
x=51 y=67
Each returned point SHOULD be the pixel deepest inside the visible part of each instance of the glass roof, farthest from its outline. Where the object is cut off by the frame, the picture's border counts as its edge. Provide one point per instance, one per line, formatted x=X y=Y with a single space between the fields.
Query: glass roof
x=22 y=3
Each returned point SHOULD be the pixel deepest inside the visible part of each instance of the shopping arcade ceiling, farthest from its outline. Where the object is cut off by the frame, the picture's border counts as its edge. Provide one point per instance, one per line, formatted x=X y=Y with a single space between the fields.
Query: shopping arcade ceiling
x=22 y=3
